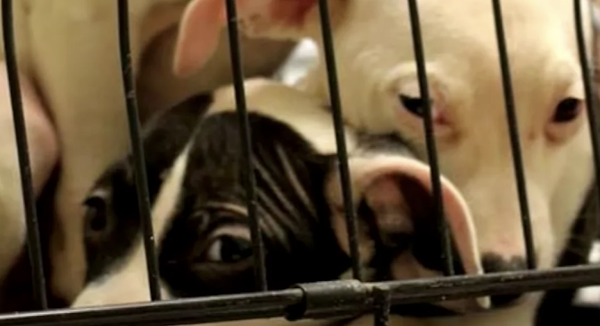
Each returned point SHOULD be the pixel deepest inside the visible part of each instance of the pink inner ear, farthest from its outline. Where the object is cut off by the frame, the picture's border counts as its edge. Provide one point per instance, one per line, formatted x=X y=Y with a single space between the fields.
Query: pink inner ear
x=374 y=179
x=385 y=198
x=457 y=213
x=202 y=21
x=459 y=220
x=198 y=37
x=456 y=210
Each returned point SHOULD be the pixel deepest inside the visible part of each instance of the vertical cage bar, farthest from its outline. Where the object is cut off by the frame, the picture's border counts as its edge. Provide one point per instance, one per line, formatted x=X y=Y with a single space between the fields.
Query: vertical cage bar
x=141 y=181
x=29 y=200
x=430 y=138
x=590 y=92
x=340 y=137
x=260 y=271
x=382 y=298
x=595 y=18
x=514 y=135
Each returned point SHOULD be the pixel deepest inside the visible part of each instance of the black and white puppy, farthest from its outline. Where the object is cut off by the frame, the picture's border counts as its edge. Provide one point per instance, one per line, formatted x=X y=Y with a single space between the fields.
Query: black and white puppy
x=196 y=180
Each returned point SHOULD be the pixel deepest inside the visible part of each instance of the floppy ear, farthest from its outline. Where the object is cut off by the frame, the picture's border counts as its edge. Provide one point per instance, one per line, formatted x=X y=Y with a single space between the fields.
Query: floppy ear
x=202 y=22
x=393 y=195
x=198 y=36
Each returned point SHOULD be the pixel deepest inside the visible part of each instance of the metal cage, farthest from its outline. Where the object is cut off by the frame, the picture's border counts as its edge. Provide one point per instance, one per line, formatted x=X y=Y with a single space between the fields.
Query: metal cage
x=306 y=300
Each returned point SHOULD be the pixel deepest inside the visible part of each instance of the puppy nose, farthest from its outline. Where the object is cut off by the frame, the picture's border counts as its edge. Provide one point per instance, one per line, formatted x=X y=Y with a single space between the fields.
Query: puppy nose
x=493 y=263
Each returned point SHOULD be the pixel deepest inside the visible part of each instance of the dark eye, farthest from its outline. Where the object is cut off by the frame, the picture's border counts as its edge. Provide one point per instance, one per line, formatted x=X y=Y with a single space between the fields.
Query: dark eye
x=96 y=217
x=567 y=110
x=413 y=104
x=228 y=249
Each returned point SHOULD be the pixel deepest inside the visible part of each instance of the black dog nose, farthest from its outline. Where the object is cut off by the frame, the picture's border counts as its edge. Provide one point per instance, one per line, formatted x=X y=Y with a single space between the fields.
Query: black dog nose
x=493 y=263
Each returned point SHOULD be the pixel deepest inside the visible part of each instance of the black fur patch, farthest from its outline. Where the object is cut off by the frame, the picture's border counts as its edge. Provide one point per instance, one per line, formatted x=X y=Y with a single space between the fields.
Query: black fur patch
x=304 y=251
x=164 y=137
x=308 y=250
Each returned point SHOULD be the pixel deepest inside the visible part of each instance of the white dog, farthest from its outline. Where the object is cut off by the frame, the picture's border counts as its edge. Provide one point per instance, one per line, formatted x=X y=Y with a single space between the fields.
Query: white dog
x=68 y=51
x=380 y=94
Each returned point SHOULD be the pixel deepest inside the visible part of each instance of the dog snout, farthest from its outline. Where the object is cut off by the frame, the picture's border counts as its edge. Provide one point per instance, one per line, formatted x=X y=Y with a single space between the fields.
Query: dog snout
x=494 y=263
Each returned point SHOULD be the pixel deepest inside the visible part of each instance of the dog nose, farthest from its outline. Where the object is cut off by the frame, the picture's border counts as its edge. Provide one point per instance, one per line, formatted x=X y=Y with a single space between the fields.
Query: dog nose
x=493 y=263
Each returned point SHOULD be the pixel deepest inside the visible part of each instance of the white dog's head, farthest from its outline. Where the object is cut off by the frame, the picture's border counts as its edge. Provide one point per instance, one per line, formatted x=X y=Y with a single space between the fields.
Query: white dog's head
x=380 y=94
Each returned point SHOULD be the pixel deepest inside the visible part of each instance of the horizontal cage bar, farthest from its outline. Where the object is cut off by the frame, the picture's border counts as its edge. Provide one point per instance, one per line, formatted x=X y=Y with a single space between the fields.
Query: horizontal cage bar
x=279 y=303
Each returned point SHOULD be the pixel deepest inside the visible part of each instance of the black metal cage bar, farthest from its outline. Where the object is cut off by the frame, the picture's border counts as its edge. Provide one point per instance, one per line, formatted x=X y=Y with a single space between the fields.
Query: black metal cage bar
x=342 y=154
x=280 y=303
x=141 y=180
x=299 y=302
x=429 y=137
x=382 y=298
x=33 y=235
x=240 y=99
x=514 y=134
x=591 y=95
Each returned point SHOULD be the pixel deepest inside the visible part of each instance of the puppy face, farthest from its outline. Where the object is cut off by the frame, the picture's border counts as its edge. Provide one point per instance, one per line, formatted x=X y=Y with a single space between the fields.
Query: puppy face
x=196 y=183
x=201 y=222
x=380 y=93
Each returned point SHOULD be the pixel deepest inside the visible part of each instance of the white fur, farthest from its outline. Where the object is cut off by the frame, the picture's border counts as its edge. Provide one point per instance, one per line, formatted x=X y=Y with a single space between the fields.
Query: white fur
x=545 y=68
x=129 y=282
x=289 y=106
x=69 y=48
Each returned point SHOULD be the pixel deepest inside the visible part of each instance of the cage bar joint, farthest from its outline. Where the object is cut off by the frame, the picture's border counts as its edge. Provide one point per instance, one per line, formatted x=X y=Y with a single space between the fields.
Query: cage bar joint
x=332 y=298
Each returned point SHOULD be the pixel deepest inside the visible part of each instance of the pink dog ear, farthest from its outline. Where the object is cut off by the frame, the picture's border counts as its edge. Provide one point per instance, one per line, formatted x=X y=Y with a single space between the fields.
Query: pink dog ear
x=202 y=22
x=398 y=194
x=198 y=36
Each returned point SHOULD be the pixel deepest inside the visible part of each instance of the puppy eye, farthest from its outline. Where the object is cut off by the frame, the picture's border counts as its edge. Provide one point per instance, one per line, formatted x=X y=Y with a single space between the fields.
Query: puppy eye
x=413 y=104
x=567 y=110
x=228 y=249
x=96 y=217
